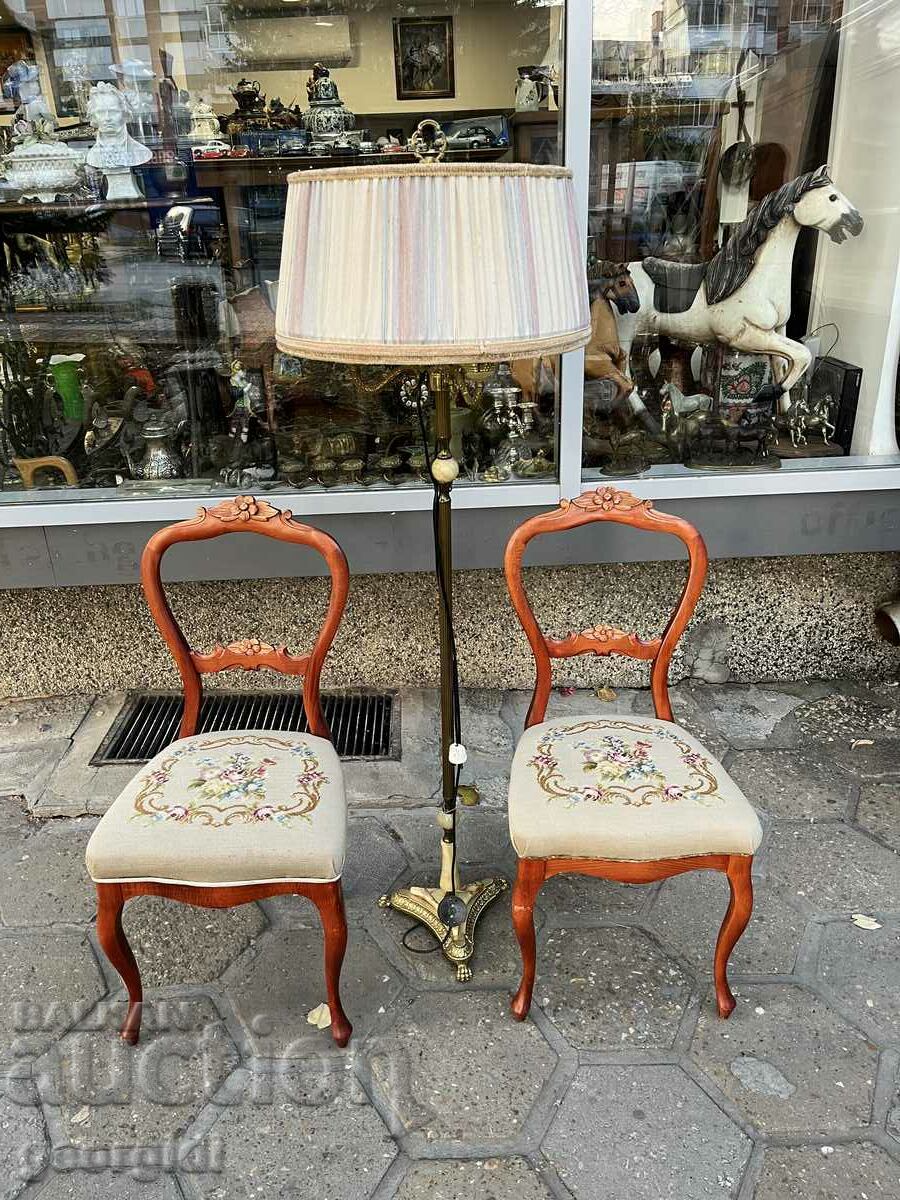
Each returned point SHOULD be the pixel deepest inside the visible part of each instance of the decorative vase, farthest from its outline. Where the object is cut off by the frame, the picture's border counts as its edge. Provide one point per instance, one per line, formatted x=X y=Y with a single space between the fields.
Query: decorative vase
x=65 y=371
x=161 y=460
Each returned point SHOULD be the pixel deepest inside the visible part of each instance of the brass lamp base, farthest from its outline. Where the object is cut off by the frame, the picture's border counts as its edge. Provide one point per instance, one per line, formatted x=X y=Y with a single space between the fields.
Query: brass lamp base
x=458 y=944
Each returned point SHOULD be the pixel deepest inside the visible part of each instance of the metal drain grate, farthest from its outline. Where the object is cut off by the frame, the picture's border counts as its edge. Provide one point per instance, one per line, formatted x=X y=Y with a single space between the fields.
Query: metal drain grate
x=362 y=724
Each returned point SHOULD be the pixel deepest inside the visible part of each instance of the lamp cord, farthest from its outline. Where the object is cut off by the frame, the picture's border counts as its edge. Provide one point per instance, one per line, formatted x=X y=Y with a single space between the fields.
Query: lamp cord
x=444 y=590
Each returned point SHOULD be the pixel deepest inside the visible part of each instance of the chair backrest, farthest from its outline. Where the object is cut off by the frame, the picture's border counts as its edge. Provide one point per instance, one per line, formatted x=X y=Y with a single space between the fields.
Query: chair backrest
x=604 y=504
x=245 y=514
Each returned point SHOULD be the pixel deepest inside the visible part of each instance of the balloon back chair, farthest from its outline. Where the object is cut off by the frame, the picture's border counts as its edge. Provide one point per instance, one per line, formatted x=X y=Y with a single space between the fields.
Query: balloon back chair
x=220 y=819
x=627 y=798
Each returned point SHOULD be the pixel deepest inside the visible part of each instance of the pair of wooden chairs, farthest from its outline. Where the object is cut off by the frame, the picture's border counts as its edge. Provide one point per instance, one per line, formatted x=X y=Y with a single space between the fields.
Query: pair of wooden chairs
x=226 y=818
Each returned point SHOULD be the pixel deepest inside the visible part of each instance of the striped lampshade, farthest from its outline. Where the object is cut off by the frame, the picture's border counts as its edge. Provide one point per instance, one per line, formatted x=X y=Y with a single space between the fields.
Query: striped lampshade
x=431 y=263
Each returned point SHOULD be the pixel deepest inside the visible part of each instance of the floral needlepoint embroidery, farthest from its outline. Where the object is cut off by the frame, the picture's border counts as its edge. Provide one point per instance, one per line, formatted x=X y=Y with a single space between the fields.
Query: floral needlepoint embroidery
x=622 y=759
x=234 y=785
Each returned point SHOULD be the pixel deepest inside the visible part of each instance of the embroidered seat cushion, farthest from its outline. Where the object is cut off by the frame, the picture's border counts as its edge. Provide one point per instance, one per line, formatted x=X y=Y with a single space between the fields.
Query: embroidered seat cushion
x=249 y=806
x=626 y=788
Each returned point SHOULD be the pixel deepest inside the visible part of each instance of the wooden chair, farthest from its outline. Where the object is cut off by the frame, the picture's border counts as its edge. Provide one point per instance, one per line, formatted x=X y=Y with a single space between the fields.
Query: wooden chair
x=224 y=818
x=629 y=798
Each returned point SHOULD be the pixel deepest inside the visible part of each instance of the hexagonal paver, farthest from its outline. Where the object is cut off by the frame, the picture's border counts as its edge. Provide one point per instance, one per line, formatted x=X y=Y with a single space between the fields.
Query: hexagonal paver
x=178 y=943
x=45 y=880
x=860 y=712
x=295 y=1144
x=689 y=910
x=375 y=859
x=483 y=836
x=841 y=1172
x=878 y=760
x=746 y=715
x=497 y=959
x=23 y=1140
x=832 y=868
x=487 y=1179
x=878 y=811
x=99 y=1092
x=799 y=784
x=48 y=980
x=610 y=989
x=590 y=898
x=860 y=967
x=275 y=988
x=647 y=1133
x=101 y=1185
x=788 y=1061
x=455 y=1066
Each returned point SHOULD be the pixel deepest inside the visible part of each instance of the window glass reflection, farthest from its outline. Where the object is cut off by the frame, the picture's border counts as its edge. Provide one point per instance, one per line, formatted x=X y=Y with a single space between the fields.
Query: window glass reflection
x=141 y=214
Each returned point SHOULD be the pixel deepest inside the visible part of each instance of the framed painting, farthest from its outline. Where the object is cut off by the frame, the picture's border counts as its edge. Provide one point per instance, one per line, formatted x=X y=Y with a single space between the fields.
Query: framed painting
x=423 y=58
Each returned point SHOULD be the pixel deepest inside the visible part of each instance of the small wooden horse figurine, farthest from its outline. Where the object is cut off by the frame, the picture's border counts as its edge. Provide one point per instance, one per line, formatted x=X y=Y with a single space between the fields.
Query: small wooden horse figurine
x=604 y=358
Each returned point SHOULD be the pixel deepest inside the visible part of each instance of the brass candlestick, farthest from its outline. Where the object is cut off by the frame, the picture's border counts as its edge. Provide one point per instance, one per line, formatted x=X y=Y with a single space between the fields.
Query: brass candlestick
x=458 y=939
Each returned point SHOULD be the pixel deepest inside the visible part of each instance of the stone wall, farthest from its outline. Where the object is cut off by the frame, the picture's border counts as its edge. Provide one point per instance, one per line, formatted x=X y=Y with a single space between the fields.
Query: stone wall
x=782 y=618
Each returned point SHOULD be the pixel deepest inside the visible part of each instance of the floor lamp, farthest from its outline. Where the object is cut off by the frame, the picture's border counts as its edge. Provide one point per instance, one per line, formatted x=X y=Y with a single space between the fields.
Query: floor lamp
x=429 y=265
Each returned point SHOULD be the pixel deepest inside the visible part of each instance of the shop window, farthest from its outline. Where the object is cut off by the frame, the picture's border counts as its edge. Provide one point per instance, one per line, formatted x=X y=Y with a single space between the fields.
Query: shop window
x=718 y=129
x=141 y=216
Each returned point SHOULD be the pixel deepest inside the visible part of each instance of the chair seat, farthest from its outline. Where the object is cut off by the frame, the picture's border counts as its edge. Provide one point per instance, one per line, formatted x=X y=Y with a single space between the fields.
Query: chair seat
x=249 y=806
x=633 y=789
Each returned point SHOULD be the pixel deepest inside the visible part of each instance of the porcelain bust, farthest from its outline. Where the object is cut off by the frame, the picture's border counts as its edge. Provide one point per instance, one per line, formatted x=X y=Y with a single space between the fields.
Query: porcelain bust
x=114 y=151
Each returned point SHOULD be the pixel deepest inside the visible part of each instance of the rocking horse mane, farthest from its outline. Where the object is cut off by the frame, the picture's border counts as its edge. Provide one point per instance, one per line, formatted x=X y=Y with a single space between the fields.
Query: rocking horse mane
x=734 y=262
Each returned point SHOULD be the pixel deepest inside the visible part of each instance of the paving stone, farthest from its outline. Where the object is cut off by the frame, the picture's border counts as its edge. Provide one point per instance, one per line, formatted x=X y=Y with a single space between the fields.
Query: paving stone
x=99 y=1092
x=177 y=943
x=610 y=989
x=497 y=960
x=75 y=787
x=841 y=1172
x=23 y=1141
x=647 y=1133
x=298 y=1141
x=455 y=1066
x=862 y=712
x=16 y=824
x=48 y=980
x=689 y=910
x=374 y=861
x=797 y=784
x=483 y=836
x=380 y=783
x=881 y=760
x=45 y=879
x=860 y=967
x=878 y=811
x=275 y=987
x=591 y=899
x=26 y=770
x=25 y=721
x=485 y=731
x=487 y=1179
x=788 y=1061
x=102 y=1185
x=832 y=868
x=747 y=716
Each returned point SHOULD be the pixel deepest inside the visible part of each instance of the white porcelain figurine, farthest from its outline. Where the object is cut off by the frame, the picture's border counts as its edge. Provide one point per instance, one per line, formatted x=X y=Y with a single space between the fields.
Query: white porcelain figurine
x=114 y=151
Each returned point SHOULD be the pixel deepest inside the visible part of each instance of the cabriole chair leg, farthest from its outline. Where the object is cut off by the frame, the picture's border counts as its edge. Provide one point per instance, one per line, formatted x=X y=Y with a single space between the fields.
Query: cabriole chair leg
x=529 y=877
x=329 y=900
x=740 y=906
x=111 y=935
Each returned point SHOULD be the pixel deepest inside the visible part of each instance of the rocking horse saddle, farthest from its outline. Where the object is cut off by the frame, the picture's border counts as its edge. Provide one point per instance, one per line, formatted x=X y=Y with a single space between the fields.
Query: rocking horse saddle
x=676 y=283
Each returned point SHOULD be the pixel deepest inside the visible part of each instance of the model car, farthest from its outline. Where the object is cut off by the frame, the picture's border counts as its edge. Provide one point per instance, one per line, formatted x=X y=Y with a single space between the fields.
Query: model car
x=212 y=149
x=472 y=137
